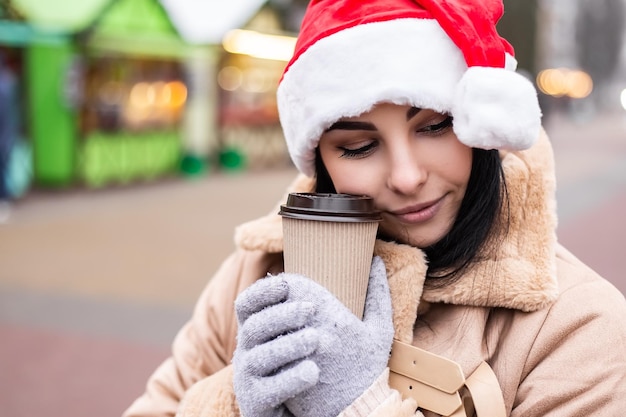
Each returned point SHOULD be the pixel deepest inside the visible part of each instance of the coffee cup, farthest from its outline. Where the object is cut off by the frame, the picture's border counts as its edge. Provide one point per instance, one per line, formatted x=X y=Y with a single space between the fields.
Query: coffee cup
x=330 y=239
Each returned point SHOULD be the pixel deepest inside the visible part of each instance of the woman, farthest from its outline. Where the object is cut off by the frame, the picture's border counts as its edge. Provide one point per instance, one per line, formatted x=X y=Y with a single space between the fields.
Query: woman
x=415 y=104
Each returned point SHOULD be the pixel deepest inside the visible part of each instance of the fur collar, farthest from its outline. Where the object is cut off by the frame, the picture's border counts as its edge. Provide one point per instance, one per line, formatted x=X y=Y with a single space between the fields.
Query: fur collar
x=521 y=274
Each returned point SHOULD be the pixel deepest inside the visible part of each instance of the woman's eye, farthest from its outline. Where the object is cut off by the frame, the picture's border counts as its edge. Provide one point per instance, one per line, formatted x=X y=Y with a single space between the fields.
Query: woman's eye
x=358 y=152
x=437 y=128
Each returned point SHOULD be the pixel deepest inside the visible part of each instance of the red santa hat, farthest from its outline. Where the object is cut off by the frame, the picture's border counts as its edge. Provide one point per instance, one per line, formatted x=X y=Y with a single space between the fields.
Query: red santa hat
x=444 y=55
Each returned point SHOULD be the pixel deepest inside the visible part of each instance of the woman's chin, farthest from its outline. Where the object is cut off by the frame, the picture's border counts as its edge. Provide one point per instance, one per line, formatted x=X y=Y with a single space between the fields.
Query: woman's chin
x=421 y=236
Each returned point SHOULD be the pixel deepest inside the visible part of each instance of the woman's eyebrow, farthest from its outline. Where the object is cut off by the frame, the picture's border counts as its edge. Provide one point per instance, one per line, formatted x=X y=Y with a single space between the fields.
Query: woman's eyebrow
x=412 y=112
x=349 y=125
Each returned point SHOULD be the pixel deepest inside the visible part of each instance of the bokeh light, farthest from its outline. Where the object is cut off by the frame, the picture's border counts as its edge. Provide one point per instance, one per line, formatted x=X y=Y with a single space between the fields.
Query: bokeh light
x=230 y=78
x=560 y=82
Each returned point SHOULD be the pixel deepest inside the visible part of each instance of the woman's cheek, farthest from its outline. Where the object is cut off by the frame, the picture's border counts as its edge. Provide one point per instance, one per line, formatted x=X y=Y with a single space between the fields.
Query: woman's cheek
x=354 y=181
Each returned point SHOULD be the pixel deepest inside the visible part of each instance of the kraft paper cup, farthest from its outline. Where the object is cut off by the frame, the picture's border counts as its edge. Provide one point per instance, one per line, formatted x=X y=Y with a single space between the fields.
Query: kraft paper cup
x=330 y=239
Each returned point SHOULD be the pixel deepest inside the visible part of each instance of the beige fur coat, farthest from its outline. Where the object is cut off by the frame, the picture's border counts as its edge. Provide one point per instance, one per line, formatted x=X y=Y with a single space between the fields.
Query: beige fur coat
x=552 y=330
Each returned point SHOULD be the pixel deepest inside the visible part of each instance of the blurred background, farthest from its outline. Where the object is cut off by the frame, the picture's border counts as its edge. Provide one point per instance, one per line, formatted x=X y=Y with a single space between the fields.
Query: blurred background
x=140 y=132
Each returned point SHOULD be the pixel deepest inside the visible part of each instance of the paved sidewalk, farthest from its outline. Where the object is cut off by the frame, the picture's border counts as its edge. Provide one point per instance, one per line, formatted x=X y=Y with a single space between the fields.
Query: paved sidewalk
x=590 y=159
x=95 y=283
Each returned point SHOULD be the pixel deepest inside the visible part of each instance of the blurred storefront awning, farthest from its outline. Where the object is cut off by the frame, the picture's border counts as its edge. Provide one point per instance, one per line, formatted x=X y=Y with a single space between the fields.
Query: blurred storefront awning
x=15 y=30
x=15 y=33
x=206 y=22
x=135 y=27
x=64 y=16
x=142 y=24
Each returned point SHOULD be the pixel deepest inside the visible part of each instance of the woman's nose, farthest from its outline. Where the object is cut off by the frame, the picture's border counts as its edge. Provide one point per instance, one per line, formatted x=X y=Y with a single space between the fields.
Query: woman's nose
x=406 y=173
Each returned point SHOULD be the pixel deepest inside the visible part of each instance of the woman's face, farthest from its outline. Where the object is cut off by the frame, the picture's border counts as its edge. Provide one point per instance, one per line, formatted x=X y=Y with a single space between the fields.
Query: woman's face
x=409 y=161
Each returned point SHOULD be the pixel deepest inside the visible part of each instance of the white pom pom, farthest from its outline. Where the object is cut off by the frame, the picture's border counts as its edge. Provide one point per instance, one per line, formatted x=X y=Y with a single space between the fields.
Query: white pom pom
x=495 y=108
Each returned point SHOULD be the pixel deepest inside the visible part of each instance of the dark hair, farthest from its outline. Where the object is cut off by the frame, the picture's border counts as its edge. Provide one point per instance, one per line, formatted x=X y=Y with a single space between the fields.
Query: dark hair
x=484 y=199
x=485 y=196
x=323 y=183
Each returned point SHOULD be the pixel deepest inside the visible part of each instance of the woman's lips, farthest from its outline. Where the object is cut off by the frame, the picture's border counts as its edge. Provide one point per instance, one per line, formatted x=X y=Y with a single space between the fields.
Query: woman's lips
x=418 y=213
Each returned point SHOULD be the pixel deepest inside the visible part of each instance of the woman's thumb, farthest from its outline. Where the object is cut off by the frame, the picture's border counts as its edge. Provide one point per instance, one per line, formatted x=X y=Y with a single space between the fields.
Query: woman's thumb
x=377 y=310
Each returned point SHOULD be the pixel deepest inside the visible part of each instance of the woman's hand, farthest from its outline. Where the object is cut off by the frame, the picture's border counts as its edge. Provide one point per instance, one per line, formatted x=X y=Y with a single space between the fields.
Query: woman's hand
x=300 y=351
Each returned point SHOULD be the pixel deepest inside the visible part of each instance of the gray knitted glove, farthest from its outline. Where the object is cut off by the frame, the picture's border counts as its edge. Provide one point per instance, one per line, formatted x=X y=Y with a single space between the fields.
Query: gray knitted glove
x=301 y=351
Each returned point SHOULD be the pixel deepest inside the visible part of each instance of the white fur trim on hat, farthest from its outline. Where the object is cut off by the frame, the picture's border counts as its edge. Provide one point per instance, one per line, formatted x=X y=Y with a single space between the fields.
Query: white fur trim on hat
x=486 y=118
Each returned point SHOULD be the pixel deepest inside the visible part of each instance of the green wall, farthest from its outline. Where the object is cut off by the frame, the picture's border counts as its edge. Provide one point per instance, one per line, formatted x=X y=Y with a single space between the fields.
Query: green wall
x=52 y=121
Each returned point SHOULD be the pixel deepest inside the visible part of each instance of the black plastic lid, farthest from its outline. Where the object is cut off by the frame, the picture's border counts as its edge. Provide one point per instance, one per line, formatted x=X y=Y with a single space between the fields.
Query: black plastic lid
x=330 y=207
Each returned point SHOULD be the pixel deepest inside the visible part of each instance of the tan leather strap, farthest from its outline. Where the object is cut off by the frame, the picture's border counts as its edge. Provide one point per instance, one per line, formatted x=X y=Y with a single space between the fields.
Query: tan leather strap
x=431 y=380
x=424 y=366
x=425 y=396
x=485 y=391
x=437 y=384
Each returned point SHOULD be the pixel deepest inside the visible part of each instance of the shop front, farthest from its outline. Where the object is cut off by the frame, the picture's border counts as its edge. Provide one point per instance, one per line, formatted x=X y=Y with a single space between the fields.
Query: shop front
x=42 y=33
x=250 y=132
x=15 y=141
x=121 y=91
x=105 y=90
x=254 y=59
x=133 y=97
